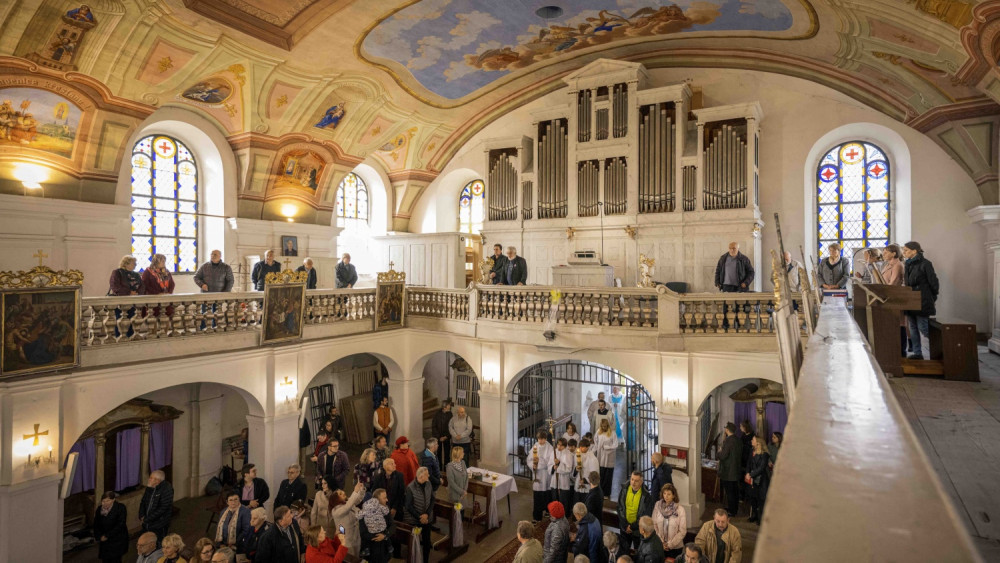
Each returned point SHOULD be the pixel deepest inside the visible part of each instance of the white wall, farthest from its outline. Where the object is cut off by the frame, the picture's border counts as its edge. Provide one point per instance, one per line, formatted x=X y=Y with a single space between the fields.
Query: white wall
x=797 y=115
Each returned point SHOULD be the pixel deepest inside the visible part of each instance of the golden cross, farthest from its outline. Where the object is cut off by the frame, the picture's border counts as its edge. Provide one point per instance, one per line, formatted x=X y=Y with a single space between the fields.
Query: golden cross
x=36 y=435
x=288 y=263
x=40 y=255
x=391 y=264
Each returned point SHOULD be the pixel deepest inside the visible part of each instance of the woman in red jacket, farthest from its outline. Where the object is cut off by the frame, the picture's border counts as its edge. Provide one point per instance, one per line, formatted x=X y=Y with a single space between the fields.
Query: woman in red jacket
x=321 y=549
x=156 y=280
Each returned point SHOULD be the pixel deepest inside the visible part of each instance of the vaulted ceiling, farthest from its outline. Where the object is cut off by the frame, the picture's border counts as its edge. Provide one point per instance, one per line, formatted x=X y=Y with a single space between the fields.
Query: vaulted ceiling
x=411 y=80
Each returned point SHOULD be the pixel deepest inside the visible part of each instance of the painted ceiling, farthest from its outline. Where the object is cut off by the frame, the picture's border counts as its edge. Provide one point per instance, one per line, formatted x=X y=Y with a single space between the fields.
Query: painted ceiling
x=408 y=82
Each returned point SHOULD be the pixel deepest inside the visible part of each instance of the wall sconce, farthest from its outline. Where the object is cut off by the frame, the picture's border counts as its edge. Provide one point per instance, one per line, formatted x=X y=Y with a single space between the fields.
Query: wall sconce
x=287 y=390
x=29 y=445
x=289 y=211
x=674 y=394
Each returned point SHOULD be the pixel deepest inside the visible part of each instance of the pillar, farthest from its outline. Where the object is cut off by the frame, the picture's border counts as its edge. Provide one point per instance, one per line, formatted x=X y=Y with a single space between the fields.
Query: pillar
x=682 y=431
x=274 y=445
x=144 y=452
x=406 y=397
x=988 y=216
x=31 y=520
x=99 y=440
x=496 y=436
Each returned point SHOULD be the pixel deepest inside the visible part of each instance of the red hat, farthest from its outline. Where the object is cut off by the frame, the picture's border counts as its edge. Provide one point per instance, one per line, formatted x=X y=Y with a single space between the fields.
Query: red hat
x=401 y=440
x=556 y=510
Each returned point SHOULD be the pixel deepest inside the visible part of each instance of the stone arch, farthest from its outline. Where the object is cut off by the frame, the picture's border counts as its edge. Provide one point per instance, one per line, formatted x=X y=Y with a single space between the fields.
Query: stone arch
x=216 y=167
x=319 y=357
x=643 y=368
x=468 y=350
x=898 y=153
x=709 y=371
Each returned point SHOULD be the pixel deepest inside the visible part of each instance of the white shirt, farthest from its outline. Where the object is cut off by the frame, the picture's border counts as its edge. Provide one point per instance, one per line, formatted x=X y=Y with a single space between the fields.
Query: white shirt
x=605 y=448
x=589 y=464
x=562 y=473
x=543 y=474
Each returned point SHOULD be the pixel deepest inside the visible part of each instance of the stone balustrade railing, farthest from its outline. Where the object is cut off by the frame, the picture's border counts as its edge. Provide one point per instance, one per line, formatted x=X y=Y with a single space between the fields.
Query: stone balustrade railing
x=325 y=306
x=624 y=307
x=438 y=303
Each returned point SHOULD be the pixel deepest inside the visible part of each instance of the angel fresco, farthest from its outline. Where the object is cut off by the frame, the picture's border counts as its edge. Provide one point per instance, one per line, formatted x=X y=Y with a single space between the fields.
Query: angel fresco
x=81 y=14
x=332 y=117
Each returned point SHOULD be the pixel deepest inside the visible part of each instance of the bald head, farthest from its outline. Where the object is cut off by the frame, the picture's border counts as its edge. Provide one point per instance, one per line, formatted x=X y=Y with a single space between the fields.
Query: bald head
x=734 y=248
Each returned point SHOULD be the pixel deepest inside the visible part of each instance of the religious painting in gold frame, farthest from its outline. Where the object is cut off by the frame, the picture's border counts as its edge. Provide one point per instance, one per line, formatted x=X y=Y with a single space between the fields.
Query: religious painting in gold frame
x=284 y=306
x=390 y=293
x=40 y=330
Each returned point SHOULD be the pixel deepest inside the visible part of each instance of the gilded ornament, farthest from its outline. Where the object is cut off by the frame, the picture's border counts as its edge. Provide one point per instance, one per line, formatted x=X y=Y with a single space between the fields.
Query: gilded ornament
x=40 y=276
x=282 y=100
x=164 y=64
x=570 y=232
x=646 y=265
x=287 y=276
x=239 y=71
x=485 y=267
x=391 y=275
x=631 y=231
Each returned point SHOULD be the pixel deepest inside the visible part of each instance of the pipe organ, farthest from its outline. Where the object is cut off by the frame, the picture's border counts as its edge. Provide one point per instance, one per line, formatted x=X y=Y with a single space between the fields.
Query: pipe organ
x=635 y=150
x=501 y=193
x=615 y=185
x=553 y=168
x=657 y=132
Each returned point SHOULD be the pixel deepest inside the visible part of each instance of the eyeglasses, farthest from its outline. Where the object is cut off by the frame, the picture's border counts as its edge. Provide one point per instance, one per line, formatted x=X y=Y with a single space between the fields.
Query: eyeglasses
x=207 y=551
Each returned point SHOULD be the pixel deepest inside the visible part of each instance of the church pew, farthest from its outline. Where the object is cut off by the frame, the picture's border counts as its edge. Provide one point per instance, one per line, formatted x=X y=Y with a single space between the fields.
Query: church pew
x=953 y=342
x=445 y=510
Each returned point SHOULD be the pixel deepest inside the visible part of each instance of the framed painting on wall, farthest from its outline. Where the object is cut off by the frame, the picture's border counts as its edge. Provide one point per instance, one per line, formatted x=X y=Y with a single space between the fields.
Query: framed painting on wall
x=284 y=305
x=40 y=330
x=289 y=245
x=390 y=294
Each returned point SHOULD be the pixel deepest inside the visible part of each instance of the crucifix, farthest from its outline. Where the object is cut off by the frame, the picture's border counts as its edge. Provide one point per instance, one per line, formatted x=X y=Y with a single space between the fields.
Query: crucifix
x=36 y=435
x=391 y=264
x=288 y=263
x=40 y=255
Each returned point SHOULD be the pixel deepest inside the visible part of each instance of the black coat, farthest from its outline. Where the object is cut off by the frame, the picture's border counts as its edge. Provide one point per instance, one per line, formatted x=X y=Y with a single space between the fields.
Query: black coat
x=290 y=492
x=744 y=271
x=757 y=468
x=730 y=460
x=379 y=551
x=274 y=546
x=347 y=275
x=499 y=268
x=650 y=550
x=919 y=275
x=394 y=487
x=439 y=426
x=260 y=492
x=113 y=527
x=519 y=274
x=595 y=502
x=338 y=426
x=661 y=476
x=157 y=506
x=645 y=508
x=260 y=272
x=250 y=539
x=311 y=279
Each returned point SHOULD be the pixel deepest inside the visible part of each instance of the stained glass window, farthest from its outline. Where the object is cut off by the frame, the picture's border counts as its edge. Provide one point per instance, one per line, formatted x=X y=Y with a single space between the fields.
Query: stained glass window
x=164 y=203
x=352 y=198
x=853 y=198
x=472 y=207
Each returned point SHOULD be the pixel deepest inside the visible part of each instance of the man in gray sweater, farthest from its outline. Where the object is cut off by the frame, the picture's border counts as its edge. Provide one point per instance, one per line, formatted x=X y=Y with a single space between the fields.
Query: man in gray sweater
x=460 y=427
x=418 y=508
x=214 y=276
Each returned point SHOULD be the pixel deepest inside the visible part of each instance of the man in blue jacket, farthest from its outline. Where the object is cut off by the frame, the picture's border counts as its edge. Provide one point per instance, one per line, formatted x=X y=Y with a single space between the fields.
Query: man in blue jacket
x=429 y=459
x=588 y=533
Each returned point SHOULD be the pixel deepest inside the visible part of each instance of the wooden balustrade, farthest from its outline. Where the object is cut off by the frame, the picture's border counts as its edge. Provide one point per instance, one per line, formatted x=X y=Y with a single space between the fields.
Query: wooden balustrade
x=324 y=306
x=732 y=313
x=438 y=303
x=578 y=306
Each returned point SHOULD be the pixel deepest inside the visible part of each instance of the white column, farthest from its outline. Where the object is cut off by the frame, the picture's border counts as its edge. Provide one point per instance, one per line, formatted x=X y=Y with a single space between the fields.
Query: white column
x=206 y=441
x=407 y=399
x=274 y=445
x=988 y=216
x=495 y=439
x=681 y=431
x=31 y=525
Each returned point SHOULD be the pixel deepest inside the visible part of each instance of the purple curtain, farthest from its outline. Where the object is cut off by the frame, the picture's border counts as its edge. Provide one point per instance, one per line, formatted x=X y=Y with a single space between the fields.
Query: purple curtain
x=776 y=417
x=127 y=458
x=744 y=411
x=86 y=466
x=161 y=444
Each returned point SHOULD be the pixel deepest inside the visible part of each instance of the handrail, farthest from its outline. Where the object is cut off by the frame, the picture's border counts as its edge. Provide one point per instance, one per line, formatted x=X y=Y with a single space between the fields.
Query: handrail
x=849 y=449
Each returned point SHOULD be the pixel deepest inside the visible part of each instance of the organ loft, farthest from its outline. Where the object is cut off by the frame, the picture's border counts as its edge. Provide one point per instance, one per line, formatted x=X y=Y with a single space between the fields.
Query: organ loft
x=624 y=169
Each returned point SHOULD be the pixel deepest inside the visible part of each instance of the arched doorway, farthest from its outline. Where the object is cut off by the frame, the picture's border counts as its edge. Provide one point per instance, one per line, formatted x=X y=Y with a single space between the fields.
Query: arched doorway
x=352 y=384
x=549 y=395
x=447 y=375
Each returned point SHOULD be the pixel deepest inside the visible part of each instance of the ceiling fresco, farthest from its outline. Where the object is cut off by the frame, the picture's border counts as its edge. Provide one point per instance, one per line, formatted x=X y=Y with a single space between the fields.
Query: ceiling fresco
x=455 y=47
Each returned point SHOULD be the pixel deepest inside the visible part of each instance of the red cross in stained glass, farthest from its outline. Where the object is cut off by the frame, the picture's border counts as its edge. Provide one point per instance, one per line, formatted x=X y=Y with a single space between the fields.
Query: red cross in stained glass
x=166 y=148
x=852 y=154
x=876 y=170
x=827 y=174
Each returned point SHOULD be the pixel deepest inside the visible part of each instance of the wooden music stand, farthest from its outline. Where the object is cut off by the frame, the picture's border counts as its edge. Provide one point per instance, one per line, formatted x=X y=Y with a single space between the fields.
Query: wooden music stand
x=878 y=310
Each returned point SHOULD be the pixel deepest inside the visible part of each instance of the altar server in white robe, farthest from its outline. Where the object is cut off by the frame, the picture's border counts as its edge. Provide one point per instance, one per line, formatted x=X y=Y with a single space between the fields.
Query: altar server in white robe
x=562 y=474
x=542 y=458
x=589 y=463
x=606 y=448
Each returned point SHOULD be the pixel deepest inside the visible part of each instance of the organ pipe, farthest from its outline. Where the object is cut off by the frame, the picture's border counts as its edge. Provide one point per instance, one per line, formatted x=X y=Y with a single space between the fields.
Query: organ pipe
x=725 y=169
x=657 y=160
x=502 y=192
x=587 y=180
x=615 y=182
x=552 y=168
x=689 y=187
x=584 y=104
x=620 y=110
x=526 y=199
x=602 y=124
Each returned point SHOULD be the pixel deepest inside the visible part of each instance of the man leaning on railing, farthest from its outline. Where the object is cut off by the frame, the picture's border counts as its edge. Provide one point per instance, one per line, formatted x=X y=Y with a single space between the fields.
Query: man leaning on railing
x=214 y=276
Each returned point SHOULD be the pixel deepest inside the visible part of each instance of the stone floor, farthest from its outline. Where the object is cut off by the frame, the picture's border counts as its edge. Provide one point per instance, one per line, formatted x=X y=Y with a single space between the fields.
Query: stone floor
x=958 y=424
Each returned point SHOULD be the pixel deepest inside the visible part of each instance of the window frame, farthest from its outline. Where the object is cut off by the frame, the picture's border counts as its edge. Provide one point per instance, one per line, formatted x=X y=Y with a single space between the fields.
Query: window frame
x=340 y=211
x=472 y=200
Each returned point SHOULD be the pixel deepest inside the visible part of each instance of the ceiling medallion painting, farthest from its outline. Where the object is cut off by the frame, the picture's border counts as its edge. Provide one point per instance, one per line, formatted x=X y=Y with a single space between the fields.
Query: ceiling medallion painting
x=455 y=47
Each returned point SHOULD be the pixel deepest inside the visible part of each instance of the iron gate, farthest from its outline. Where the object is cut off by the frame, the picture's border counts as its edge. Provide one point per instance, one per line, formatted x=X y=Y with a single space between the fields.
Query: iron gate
x=531 y=406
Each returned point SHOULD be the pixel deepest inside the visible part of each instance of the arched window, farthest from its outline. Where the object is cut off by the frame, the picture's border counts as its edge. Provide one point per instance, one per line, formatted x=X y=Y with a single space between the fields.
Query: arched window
x=164 y=203
x=472 y=207
x=853 y=198
x=352 y=202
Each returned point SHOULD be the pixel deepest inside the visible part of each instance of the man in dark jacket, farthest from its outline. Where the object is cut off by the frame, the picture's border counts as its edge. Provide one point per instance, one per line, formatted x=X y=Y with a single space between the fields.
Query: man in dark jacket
x=439 y=429
x=587 y=541
x=215 y=275
x=499 y=265
x=662 y=474
x=338 y=423
x=392 y=481
x=418 y=507
x=651 y=547
x=283 y=542
x=734 y=272
x=291 y=489
x=333 y=463
x=157 y=505
x=634 y=502
x=347 y=275
x=692 y=554
x=307 y=266
x=428 y=458
x=253 y=490
x=261 y=269
x=516 y=269
x=730 y=471
x=595 y=496
x=250 y=539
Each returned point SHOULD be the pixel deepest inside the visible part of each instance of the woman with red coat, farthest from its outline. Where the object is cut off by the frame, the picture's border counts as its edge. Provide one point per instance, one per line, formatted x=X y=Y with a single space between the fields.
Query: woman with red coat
x=156 y=280
x=321 y=549
x=406 y=460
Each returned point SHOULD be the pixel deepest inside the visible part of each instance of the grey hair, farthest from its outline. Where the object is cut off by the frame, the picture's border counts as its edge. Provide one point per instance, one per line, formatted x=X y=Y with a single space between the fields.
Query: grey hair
x=646 y=525
x=580 y=509
x=307 y=260
x=430 y=442
x=581 y=559
x=610 y=540
x=296 y=467
x=226 y=552
x=159 y=475
x=259 y=512
x=509 y=248
x=423 y=471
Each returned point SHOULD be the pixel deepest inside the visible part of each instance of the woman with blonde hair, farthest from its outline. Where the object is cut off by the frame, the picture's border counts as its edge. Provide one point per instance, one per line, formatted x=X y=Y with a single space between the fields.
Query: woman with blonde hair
x=605 y=448
x=365 y=471
x=458 y=476
x=172 y=546
x=758 y=477
x=670 y=520
x=124 y=279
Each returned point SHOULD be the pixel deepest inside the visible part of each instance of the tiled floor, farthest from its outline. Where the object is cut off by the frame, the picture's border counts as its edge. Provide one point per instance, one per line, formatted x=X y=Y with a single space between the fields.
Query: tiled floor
x=958 y=424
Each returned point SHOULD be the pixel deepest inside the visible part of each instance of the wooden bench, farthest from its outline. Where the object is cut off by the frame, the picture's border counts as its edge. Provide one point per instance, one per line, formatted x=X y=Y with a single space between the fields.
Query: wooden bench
x=442 y=509
x=953 y=342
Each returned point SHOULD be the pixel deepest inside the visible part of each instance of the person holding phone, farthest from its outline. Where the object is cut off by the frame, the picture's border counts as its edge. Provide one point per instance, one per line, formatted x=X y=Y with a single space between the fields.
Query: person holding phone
x=344 y=514
x=323 y=549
